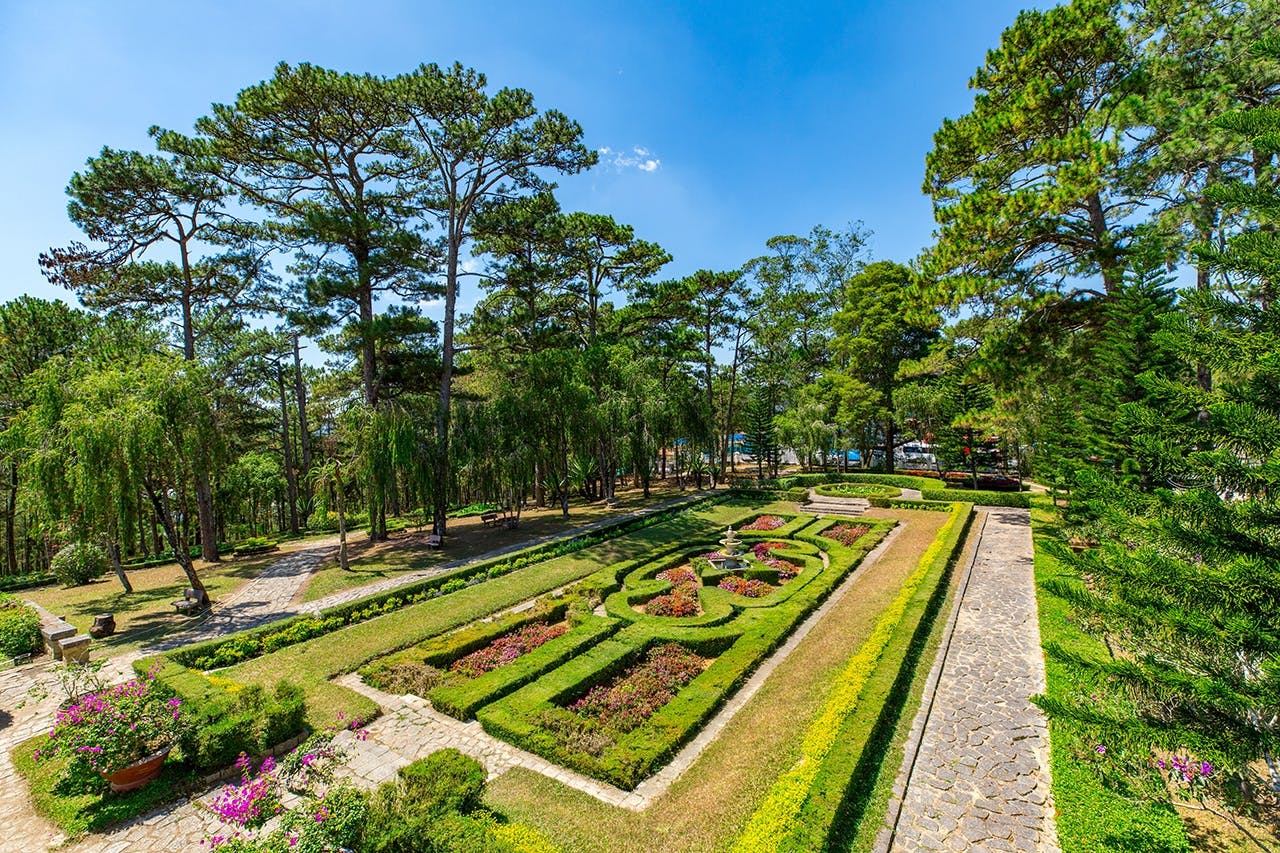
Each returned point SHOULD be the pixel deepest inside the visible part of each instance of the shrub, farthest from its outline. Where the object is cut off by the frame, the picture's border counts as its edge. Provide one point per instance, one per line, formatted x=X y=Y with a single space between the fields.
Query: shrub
x=79 y=563
x=1021 y=500
x=799 y=494
x=19 y=627
x=107 y=731
x=444 y=781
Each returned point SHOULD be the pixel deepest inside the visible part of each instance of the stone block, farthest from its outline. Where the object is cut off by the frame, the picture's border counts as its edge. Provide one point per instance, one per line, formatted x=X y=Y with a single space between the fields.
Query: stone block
x=76 y=649
x=54 y=633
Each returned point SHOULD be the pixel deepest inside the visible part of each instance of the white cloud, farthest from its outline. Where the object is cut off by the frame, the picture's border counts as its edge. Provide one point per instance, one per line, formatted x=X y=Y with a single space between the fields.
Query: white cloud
x=638 y=157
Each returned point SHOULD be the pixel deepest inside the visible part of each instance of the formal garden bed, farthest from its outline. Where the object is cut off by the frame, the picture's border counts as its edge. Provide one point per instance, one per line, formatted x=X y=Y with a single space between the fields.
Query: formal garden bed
x=857 y=490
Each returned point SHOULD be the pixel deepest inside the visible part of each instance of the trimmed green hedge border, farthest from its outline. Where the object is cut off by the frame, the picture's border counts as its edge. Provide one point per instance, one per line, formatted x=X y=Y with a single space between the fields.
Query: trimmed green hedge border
x=740 y=645
x=1019 y=500
x=904 y=503
x=774 y=821
x=255 y=642
x=462 y=700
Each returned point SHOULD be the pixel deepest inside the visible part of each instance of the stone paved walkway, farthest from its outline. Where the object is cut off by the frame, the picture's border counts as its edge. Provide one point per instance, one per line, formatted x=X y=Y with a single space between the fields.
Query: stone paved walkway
x=980 y=778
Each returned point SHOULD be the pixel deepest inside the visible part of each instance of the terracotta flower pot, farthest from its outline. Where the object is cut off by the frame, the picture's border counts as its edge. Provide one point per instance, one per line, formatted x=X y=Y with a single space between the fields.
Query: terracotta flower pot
x=138 y=773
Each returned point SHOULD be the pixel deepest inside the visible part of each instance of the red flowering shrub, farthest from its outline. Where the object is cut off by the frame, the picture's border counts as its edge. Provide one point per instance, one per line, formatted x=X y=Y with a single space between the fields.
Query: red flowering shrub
x=507 y=648
x=634 y=696
x=764 y=523
x=682 y=600
x=846 y=534
x=747 y=588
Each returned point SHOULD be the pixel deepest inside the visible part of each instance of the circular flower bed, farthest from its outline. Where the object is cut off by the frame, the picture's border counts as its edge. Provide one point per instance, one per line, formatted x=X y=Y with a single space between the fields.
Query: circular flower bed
x=857 y=490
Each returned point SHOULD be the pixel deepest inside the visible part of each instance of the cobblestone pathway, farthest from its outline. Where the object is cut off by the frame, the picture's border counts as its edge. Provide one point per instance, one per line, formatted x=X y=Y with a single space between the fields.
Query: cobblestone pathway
x=980 y=779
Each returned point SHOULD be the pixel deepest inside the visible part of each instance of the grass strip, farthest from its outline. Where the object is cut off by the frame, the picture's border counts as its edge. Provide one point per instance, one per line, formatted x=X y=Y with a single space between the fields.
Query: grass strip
x=775 y=819
x=1093 y=816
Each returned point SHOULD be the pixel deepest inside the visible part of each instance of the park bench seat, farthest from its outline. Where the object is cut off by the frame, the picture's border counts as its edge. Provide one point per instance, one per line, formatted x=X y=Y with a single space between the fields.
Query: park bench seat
x=433 y=540
x=489 y=519
x=192 y=601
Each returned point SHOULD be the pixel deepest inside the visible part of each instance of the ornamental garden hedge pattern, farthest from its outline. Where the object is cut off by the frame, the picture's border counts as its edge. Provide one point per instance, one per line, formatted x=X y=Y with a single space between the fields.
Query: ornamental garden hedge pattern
x=733 y=633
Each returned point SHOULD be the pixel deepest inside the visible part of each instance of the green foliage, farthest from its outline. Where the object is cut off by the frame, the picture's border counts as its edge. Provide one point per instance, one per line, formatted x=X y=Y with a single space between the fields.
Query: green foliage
x=1020 y=500
x=797 y=494
x=79 y=563
x=19 y=627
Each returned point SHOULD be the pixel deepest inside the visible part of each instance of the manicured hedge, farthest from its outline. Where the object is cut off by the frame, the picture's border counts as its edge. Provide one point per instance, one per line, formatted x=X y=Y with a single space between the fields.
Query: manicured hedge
x=1020 y=500
x=896 y=480
x=19 y=627
x=904 y=503
x=227 y=718
x=857 y=490
x=461 y=700
x=13 y=583
x=775 y=820
x=758 y=627
x=268 y=638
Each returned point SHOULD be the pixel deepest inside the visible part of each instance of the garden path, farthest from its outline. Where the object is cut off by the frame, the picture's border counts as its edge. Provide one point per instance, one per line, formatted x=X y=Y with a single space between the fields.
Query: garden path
x=976 y=770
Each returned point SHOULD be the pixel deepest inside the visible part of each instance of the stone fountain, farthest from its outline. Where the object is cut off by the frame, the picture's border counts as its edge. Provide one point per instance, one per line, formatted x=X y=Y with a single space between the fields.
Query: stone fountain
x=731 y=556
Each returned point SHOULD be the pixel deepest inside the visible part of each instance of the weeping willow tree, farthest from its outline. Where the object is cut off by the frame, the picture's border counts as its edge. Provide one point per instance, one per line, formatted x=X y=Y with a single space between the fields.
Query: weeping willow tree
x=99 y=442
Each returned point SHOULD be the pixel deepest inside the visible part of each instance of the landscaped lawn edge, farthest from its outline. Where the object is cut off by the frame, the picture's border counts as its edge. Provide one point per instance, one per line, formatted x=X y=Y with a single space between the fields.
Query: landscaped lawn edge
x=1092 y=817
x=774 y=820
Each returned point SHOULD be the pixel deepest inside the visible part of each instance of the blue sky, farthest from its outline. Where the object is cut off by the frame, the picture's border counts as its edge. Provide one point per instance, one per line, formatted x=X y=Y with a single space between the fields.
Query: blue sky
x=727 y=123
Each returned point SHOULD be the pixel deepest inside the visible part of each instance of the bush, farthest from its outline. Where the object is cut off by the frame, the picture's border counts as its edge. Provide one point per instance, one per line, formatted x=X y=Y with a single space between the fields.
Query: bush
x=79 y=563
x=799 y=494
x=1020 y=500
x=444 y=781
x=19 y=627
x=227 y=720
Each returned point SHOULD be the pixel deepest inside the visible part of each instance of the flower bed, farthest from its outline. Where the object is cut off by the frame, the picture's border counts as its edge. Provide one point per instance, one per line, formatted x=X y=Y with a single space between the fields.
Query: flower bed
x=765 y=523
x=763 y=552
x=538 y=717
x=846 y=534
x=507 y=648
x=752 y=588
x=633 y=697
x=682 y=600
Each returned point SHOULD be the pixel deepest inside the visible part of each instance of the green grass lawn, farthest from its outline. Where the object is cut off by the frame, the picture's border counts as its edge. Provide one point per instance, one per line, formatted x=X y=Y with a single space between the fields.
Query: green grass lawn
x=146 y=612
x=1093 y=817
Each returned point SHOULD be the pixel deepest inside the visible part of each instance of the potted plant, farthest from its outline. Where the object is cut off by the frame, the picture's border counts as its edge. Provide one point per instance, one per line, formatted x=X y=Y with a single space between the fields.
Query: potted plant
x=122 y=733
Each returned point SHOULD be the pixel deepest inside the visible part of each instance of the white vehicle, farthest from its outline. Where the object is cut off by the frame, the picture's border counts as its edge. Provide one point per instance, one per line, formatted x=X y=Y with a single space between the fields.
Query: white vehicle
x=916 y=453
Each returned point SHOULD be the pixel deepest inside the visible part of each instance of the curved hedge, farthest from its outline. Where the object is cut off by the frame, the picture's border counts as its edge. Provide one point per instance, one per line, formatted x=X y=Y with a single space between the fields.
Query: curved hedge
x=857 y=490
x=755 y=629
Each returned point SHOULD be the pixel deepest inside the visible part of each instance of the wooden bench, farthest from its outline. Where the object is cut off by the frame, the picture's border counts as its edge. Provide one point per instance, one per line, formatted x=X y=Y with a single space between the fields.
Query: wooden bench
x=193 y=601
x=489 y=519
x=433 y=540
